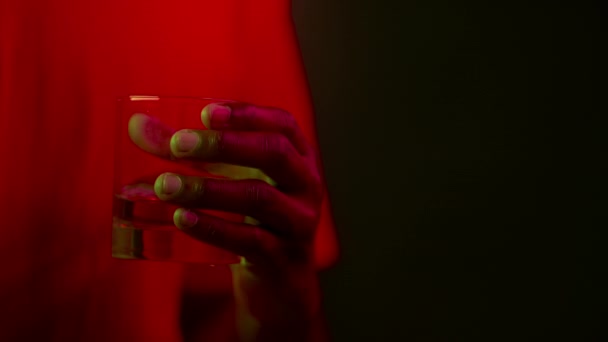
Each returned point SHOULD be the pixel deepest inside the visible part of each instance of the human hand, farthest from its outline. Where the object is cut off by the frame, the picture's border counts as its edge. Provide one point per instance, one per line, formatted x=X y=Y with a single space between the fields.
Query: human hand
x=277 y=283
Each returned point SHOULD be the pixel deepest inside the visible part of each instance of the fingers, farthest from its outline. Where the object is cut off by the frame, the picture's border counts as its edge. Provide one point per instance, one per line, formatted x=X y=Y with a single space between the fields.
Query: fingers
x=279 y=213
x=246 y=117
x=273 y=153
x=151 y=135
x=277 y=148
x=252 y=242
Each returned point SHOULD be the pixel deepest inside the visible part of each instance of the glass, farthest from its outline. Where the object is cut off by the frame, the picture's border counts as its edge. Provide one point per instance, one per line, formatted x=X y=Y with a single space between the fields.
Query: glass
x=143 y=225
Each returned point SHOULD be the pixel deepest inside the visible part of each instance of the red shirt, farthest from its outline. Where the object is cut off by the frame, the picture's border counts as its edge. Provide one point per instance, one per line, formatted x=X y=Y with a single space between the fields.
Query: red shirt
x=62 y=65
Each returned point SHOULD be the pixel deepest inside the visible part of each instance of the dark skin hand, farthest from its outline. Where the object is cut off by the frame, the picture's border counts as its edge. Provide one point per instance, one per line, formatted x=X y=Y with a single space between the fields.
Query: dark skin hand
x=276 y=285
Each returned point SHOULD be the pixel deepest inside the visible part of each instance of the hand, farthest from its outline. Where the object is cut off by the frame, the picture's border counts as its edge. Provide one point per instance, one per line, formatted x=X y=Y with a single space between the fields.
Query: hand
x=277 y=283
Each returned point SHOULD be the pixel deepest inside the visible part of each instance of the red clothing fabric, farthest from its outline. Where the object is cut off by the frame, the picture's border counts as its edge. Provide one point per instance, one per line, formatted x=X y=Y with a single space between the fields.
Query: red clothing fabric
x=62 y=65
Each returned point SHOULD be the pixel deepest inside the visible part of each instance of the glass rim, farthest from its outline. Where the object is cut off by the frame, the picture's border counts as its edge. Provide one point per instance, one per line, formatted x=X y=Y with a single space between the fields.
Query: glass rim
x=170 y=97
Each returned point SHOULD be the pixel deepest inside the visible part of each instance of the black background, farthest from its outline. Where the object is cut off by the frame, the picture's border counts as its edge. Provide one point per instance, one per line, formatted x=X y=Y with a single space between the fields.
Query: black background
x=463 y=153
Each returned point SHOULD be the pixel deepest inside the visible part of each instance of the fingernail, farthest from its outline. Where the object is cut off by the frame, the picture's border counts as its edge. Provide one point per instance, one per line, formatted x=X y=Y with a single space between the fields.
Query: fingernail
x=216 y=116
x=167 y=184
x=184 y=141
x=184 y=218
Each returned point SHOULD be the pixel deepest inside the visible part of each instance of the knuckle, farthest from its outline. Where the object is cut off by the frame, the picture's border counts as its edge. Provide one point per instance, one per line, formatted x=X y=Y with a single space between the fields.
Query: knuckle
x=259 y=195
x=214 y=143
x=277 y=148
x=307 y=223
x=288 y=122
x=247 y=113
x=215 y=137
x=195 y=188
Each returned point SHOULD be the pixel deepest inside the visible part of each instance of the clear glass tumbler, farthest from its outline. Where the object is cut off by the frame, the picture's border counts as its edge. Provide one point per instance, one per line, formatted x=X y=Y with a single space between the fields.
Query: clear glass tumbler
x=143 y=225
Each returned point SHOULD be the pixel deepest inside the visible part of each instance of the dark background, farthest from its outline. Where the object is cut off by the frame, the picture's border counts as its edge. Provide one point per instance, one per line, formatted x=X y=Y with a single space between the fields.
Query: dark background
x=462 y=149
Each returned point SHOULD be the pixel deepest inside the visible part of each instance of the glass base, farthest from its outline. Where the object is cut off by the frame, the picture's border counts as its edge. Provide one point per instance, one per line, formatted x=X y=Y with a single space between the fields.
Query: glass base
x=143 y=229
x=164 y=244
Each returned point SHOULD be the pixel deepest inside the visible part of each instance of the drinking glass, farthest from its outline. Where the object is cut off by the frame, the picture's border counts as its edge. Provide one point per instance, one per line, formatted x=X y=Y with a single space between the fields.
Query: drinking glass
x=143 y=225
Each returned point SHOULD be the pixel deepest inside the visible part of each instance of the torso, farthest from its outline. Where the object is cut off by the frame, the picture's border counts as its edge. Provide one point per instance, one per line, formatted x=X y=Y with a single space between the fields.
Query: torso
x=62 y=64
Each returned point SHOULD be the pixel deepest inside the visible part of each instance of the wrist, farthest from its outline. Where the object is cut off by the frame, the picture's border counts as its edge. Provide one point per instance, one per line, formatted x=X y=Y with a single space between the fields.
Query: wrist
x=278 y=306
x=302 y=329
